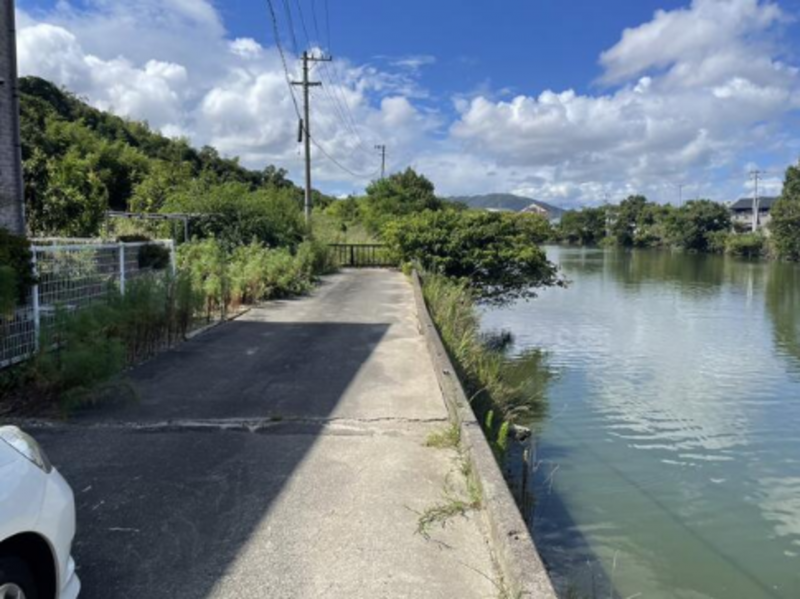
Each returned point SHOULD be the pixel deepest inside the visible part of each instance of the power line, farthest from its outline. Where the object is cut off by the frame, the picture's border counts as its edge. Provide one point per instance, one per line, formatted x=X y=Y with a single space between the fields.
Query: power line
x=277 y=33
x=340 y=165
x=288 y=10
x=304 y=121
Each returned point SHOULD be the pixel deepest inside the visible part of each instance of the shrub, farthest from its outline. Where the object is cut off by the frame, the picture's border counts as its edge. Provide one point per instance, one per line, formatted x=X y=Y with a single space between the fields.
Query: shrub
x=494 y=253
x=8 y=290
x=205 y=263
x=717 y=242
x=785 y=223
x=15 y=254
x=154 y=256
x=750 y=245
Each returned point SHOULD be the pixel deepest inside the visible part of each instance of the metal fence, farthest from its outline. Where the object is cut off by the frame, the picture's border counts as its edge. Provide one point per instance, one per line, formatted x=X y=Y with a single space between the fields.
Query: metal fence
x=362 y=255
x=70 y=276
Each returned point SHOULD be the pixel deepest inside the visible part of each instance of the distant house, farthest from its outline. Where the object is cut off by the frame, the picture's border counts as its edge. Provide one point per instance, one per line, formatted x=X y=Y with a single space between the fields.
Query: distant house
x=551 y=213
x=742 y=211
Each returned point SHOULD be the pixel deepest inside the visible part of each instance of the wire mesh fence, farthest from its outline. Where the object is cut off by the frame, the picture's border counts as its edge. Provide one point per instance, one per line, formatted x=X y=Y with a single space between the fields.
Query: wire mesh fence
x=70 y=277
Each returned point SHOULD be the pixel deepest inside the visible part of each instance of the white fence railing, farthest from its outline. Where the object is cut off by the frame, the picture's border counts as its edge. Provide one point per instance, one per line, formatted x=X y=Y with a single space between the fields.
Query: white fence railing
x=70 y=276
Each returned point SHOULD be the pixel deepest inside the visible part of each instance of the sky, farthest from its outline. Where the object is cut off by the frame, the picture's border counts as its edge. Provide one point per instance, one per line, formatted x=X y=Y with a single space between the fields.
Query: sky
x=575 y=102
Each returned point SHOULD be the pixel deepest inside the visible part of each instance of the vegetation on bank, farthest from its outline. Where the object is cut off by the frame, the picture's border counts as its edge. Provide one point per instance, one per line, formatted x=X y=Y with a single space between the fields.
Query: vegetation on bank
x=501 y=390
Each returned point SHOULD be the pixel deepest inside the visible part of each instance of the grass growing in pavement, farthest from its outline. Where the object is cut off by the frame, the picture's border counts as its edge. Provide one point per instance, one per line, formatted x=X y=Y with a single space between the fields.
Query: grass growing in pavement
x=446 y=438
x=455 y=502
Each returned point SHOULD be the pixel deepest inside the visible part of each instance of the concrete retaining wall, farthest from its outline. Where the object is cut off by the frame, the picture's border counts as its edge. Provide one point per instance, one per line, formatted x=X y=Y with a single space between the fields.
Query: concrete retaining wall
x=519 y=562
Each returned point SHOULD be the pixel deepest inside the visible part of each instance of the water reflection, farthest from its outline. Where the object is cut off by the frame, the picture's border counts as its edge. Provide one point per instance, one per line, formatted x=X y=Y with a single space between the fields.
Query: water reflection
x=669 y=461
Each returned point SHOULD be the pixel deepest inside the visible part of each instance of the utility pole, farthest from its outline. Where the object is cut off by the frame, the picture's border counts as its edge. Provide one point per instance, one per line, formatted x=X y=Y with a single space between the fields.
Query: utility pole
x=755 y=175
x=12 y=202
x=305 y=124
x=382 y=149
x=680 y=192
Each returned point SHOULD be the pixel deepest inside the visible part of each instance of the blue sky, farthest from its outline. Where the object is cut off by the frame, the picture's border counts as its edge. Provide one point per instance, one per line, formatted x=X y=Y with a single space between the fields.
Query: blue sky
x=549 y=99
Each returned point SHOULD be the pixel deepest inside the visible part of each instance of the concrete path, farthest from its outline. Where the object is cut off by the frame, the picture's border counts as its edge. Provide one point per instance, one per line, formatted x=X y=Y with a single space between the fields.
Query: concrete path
x=281 y=455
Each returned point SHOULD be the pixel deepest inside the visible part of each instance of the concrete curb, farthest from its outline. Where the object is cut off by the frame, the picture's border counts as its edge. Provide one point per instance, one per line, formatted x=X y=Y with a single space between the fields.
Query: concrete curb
x=520 y=565
x=206 y=328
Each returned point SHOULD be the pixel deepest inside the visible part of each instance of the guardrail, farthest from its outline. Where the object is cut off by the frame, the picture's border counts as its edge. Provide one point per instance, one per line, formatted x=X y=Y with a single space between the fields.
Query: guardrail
x=362 y=255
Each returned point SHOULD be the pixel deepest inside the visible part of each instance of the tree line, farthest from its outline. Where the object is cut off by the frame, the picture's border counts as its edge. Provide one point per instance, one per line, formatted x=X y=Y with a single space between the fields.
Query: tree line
x=698 y=225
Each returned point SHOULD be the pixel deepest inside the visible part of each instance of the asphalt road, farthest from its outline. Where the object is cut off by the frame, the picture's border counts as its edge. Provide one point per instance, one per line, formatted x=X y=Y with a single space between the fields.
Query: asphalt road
x=280 y=455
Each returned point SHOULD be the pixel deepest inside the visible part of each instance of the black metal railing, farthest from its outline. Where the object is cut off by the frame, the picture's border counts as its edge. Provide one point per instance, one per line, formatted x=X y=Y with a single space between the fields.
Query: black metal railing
x=362 y=255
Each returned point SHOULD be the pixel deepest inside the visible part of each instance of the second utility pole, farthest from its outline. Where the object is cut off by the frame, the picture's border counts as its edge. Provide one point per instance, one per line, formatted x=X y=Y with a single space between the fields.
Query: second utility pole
x=305 y=125
x=382 y=149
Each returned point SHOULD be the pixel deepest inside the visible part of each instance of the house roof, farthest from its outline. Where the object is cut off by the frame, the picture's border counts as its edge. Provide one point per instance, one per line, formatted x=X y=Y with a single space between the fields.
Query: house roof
x=746 y=204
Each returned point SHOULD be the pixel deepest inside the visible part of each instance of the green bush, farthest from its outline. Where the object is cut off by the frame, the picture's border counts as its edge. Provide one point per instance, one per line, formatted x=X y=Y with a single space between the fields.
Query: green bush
x=494 y=253
x=15 y=254
x=750 y=245
x=94 y=344
x=154 y=256
x=717 y=242
x=8 y=290
x=785 y=223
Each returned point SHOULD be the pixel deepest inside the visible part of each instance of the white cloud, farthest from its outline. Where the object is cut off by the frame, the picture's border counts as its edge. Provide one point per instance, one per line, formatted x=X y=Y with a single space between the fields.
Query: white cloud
x=694 y=84
x=691 y=92
x=171 y=63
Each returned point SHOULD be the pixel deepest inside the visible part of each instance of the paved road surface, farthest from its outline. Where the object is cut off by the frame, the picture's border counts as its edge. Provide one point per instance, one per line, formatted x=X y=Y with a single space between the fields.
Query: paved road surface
x=280 y=455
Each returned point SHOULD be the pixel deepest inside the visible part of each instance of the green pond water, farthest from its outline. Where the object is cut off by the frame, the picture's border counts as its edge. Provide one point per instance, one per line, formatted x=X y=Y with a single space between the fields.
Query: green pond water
x=668 y=464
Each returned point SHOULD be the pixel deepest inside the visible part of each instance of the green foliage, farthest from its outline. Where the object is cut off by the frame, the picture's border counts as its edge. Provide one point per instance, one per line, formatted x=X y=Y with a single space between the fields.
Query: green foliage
x=583 y=227
x=80 y=162
x=628 y=217
x=398 y=195
x=250 y=273
x=502 y=390
x=16 y=260
x=748 y=245
x=8 y=289
x=693 y=224
x=785 y=223
x=513 y=389
x=96 y=343
x=494 y=253
x=236 y=216
x=153 y=256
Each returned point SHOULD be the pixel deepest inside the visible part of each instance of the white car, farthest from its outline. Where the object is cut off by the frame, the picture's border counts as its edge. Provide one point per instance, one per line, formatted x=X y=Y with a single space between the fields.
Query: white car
x=37 y=523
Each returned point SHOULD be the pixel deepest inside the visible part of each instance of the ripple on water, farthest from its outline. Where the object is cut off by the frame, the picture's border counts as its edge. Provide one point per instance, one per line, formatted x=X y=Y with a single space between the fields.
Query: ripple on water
x=670 y=459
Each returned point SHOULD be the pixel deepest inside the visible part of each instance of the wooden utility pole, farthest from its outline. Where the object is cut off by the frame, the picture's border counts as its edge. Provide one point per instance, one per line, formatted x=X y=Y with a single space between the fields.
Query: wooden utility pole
x=382 y=149
x=305 y=124
x=12 y=201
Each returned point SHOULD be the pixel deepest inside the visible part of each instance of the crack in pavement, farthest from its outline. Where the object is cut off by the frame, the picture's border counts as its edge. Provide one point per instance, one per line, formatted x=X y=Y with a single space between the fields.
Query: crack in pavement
x=291 y=425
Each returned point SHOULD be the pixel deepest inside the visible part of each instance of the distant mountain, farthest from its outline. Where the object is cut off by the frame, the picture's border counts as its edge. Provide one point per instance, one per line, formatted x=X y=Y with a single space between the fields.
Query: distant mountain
x=507 y=201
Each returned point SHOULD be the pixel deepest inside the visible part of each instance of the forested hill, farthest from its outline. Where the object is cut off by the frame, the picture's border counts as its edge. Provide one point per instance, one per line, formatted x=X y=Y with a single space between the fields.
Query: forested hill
x=506 y=201
x=80 y=161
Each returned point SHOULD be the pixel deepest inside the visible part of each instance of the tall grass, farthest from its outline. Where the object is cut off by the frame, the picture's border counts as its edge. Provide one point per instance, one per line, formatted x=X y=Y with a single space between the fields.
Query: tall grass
x=83 y=349
x=501 y=390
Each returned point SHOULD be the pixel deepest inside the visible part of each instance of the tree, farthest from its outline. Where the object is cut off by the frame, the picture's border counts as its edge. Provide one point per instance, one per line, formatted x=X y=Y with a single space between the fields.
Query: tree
x=163 y=180
x=785 y=213
x=273 y=176
x=400 y=194
x=494 y=253
x=584 y=227
x=693 y=226
x=628 y=217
